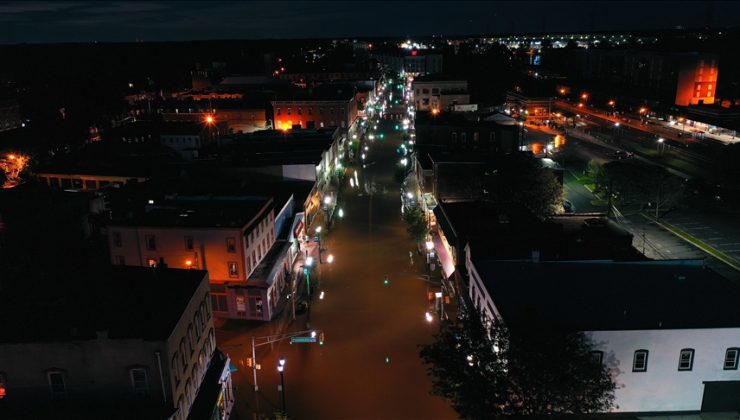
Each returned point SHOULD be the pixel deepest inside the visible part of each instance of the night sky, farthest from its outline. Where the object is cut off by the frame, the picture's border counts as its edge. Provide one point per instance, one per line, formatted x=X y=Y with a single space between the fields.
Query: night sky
x=84 y=21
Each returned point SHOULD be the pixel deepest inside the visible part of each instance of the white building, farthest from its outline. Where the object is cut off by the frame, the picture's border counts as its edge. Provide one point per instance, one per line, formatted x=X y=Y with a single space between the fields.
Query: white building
x=668 y=330
x=436 y=92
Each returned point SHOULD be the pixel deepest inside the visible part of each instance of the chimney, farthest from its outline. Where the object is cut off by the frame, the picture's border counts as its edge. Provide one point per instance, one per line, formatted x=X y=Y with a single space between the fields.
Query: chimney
x=536 y=256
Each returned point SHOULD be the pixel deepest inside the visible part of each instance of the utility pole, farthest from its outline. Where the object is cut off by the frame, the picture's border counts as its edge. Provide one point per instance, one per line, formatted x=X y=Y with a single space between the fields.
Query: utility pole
x=609 y=200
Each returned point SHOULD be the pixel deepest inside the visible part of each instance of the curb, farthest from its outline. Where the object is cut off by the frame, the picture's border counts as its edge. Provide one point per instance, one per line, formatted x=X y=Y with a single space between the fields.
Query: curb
x=696 y=242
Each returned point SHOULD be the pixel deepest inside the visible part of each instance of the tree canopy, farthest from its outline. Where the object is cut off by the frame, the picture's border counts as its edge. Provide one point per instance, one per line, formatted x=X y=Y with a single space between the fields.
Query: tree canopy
x=487 y=370
x=521 y=179
x=639 y=186
x=416 y=223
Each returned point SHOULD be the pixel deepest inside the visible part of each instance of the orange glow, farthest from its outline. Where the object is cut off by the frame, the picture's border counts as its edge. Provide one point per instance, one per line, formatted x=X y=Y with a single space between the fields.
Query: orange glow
x=209 y=119
x=188 y=263
x=580 y=105
x=369 y=45
x=12 y=165
x=584 y=96
x=643 y=110
x=681 y=119
x=562 y=91
x=537 y=148
x=611 y=103
x=435 y=111
x=559 y=140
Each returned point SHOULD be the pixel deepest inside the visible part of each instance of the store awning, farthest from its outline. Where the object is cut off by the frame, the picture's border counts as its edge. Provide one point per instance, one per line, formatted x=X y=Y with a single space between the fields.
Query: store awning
x=444 y=257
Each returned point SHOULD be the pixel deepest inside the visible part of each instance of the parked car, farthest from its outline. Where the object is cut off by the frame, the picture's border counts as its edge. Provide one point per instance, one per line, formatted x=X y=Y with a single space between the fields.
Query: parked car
x=621 y=154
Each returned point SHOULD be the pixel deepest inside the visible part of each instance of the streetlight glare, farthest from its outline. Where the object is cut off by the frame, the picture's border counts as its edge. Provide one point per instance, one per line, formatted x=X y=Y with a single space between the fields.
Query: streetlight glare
x=330 y=258
x=309 y=261
x=318 y=229
x=282 y=361
x=428 y=316
x=327 y=200
x=430 y=245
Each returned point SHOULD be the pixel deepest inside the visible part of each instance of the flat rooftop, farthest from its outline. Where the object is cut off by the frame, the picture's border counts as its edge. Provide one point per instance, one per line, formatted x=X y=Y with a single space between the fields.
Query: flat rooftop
x=501 y=232
x=599 y=296
x=127 y=302
x=207 y=211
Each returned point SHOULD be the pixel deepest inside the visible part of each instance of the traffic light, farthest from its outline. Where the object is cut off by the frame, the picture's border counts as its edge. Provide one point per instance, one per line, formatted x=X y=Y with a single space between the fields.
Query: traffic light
x=386 y=281
x=321 y=338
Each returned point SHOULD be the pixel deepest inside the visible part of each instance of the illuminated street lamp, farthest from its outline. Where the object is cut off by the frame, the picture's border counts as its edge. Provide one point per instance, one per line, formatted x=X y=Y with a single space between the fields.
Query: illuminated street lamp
x=281 y=368
x=584 y=96
x=330 y=259
x=428 y=317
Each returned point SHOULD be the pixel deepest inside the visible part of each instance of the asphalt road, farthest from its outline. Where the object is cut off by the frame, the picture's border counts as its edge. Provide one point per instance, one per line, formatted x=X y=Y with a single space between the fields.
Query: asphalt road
x=369 y=366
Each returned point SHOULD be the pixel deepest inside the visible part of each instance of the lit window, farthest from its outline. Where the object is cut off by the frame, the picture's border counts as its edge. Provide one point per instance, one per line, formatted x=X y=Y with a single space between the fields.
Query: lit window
x=151 y=262
x=686 y=359
x=233 y=269
x=731 y=358
x=639 y=363
x=278 y=111
x=139 y=381
x=56 y=383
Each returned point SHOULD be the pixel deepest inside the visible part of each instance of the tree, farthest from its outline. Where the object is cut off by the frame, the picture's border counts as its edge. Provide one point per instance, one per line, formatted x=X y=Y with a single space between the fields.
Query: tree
x=416 y=223
x=521 y=179
x=639 y=186
x=488 y=370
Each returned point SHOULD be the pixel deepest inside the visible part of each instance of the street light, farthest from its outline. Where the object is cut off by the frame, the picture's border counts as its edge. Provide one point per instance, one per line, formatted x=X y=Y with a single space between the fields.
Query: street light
x=281 y=368
x=330 y=259
x=428 y=316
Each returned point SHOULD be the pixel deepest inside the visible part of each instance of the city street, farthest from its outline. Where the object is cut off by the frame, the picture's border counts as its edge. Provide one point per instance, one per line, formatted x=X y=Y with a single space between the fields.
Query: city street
x=369 y=366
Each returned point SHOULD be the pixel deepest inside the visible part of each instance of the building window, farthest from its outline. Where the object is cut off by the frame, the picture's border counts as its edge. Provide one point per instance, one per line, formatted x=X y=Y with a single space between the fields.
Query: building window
x=56 y=384
x=425 y=91
x=139 y=381
x=191 y=339
x=435 y=91
x=300 y=111
x=120 y=260
x=183 y=359
x=598 y=357
x=175 y=369
x=230 y=245
x=277 y=111
x=218 y=303
x=117 y=242
x=464 y=138
x=233 y=269
x=289 y=111
x=189 y=243
x=310 y=111
x=151 y=262
x=686 y=359
x=151 y=242
x=731 y=358
x=198 y=325
x=639 y=363
x=453 y=137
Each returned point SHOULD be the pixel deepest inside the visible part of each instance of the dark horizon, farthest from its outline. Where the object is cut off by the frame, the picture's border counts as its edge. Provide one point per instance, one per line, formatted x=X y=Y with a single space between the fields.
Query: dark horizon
x=167 y=21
